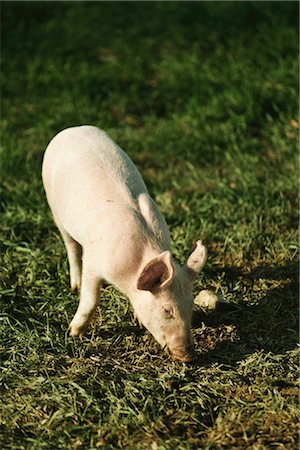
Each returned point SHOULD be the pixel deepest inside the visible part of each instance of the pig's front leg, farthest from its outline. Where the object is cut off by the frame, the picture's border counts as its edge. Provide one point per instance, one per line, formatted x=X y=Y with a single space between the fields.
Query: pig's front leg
x=89 y=299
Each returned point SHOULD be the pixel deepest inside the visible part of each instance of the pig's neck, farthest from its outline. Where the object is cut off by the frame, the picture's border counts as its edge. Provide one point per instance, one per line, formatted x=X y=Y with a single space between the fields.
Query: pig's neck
x=137 y=245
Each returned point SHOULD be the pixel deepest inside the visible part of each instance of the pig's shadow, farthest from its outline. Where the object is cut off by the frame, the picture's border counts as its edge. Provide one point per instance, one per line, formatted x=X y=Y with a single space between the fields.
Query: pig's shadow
x=270 y=325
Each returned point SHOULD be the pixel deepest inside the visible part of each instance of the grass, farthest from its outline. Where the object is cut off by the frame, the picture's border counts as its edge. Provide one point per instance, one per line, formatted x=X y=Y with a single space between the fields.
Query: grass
x=203 y=96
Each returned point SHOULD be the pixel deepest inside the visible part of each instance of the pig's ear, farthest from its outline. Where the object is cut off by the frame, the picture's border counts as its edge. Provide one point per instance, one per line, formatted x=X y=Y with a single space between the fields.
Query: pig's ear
x=196 y=260
x=157 y=274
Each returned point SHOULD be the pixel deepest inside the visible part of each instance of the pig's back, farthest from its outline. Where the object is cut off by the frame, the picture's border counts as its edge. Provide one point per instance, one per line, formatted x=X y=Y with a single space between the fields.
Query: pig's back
x=87 y=156
x=87 y=175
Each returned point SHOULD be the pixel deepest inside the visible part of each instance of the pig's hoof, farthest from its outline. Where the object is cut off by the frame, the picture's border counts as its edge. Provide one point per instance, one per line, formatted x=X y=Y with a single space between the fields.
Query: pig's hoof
x=77 y=330
x=75 y=285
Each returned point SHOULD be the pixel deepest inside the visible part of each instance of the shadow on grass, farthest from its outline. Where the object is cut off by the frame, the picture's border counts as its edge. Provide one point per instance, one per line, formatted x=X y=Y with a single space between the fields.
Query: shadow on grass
x=270 y=325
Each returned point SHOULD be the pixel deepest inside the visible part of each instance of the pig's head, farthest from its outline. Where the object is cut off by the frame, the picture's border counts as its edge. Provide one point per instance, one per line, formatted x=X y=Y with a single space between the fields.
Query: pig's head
x=163 y=301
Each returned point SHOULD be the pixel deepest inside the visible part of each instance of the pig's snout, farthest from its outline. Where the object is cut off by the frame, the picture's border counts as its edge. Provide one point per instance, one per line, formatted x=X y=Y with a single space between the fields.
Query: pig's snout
x=186 y=355
x=182 y=350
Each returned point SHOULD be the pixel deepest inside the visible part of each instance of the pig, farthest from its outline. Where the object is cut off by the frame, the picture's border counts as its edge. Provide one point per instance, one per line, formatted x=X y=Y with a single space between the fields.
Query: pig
x=114 y=232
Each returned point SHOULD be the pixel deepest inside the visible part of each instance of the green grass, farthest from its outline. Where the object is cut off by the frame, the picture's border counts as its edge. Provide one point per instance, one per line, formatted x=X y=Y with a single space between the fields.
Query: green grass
x=203 y=97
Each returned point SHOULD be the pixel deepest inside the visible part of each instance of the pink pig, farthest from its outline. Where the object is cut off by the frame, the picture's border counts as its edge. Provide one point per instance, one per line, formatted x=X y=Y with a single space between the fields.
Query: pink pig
x=113 y=231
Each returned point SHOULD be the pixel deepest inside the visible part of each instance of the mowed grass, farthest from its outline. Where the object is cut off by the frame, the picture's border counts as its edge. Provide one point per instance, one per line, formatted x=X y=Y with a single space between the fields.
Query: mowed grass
x=203 y=97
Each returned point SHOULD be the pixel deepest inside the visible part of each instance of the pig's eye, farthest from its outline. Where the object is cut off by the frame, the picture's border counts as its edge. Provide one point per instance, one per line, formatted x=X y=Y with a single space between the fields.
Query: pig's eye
x=168 y=312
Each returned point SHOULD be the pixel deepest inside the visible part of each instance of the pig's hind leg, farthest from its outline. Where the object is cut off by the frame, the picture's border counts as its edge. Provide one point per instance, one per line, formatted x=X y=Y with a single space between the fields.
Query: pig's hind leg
x=89 y=299
x=74 y=252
